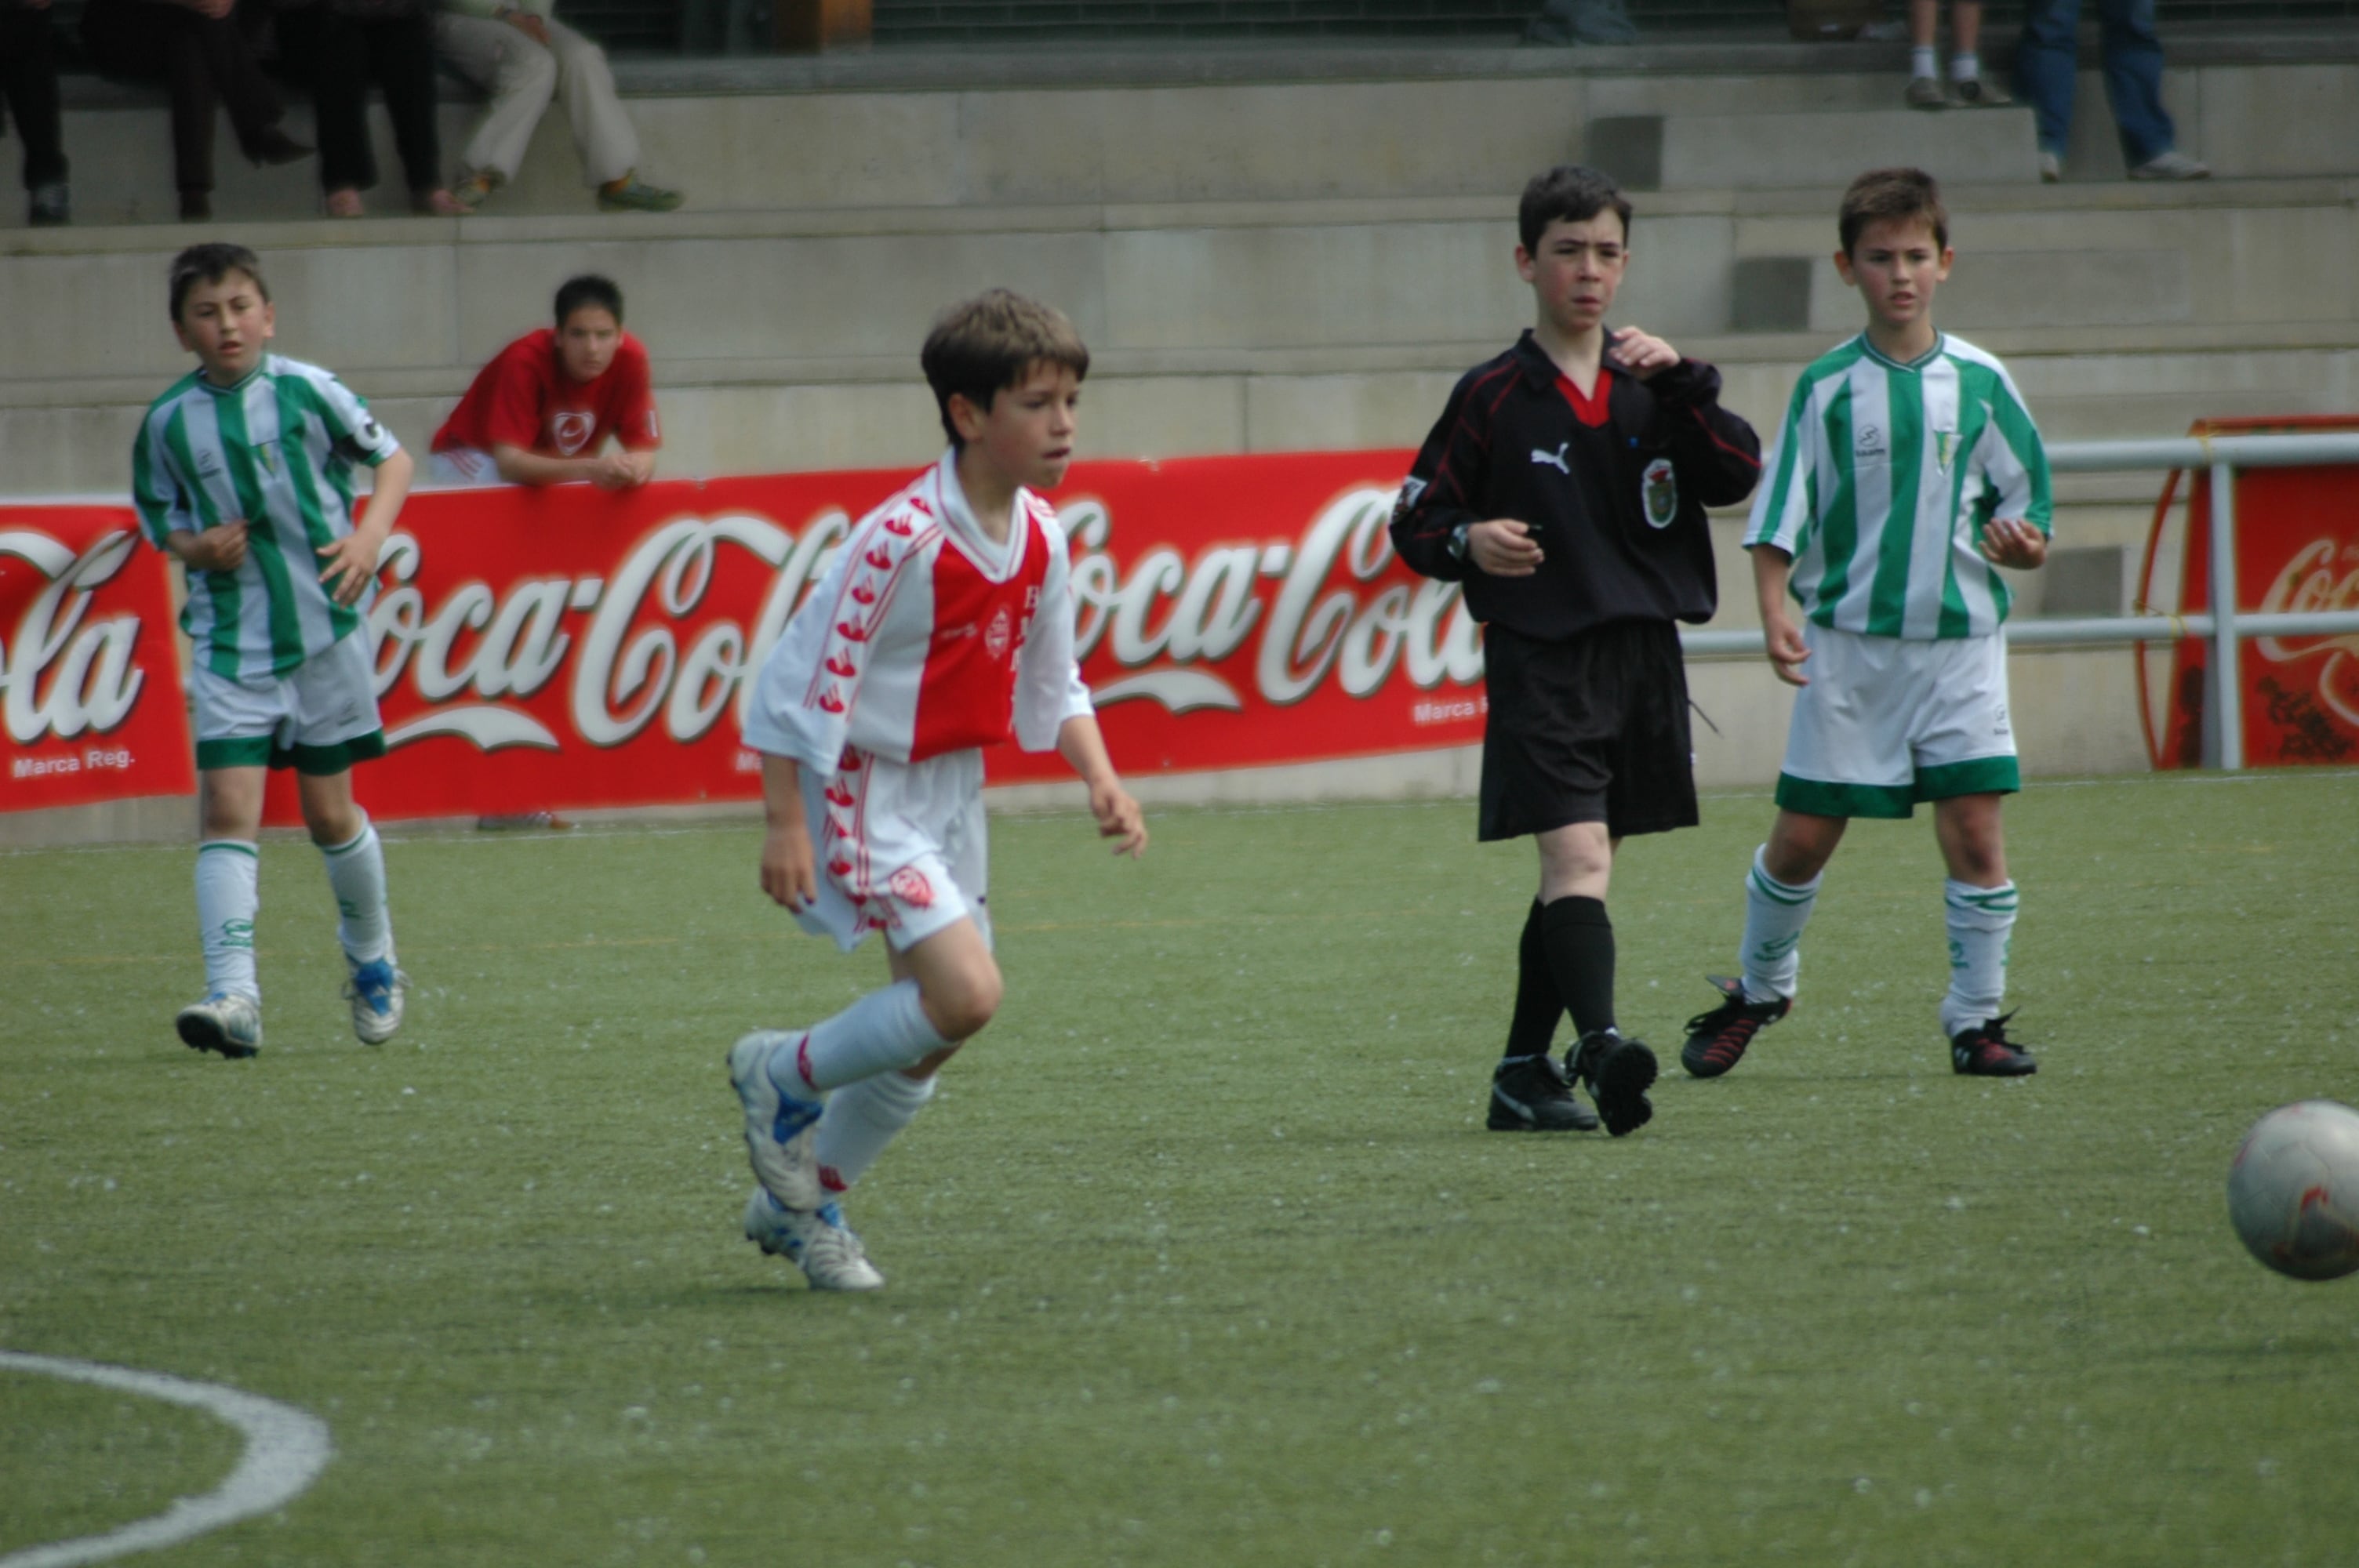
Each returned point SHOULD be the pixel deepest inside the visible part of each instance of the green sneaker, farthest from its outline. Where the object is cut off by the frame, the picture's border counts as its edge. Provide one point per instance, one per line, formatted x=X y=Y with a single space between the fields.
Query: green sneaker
x=635 y=194
x=476 y=189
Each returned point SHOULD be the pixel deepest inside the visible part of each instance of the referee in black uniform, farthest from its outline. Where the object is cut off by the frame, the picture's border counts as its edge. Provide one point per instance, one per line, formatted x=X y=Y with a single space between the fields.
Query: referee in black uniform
x=1565 y=486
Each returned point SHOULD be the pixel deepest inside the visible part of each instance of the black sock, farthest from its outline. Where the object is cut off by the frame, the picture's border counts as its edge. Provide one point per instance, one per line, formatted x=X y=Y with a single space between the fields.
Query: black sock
x=1579 y=943
x=1538 y=1006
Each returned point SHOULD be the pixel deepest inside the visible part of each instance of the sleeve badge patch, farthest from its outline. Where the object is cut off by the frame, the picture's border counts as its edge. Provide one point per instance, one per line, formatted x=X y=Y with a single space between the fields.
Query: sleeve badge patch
x=1659 y=491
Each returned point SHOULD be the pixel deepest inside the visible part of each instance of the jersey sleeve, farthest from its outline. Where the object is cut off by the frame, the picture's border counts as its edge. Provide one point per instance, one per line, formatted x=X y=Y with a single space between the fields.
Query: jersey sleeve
x=1444 y=484
x=801 y=707
x=634 y=402
x=1716 y=454
x=2012 y=455
x=1049 y=686
x=1783 y=505
x=353 y=429
x=164 y=505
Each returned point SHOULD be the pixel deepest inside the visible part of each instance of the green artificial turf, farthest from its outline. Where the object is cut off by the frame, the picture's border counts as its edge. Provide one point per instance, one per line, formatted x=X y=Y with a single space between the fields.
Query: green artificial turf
x=1202 y=1256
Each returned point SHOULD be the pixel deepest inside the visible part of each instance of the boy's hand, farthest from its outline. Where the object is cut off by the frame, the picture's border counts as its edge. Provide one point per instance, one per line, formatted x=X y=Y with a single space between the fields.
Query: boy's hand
x=350 y=566
x=620 y=471
x=790 y=870
x=1119 y=818
x=220 y=548
x=526 y=23
x=1504 y=547
x=1643 y=354
x=2013 y=542
x=1787 y=650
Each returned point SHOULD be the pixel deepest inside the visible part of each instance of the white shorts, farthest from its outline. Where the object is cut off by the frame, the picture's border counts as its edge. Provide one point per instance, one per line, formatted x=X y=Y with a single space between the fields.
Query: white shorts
x=320 y=718
x=1888 y=721
x=902 y=847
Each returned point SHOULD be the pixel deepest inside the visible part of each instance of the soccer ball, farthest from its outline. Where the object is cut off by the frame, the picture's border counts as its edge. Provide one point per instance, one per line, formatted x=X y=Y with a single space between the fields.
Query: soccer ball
x=2293 y=1190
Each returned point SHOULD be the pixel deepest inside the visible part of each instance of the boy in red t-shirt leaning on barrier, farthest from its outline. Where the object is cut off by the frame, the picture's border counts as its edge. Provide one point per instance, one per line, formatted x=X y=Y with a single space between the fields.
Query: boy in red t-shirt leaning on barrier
x=540 y=413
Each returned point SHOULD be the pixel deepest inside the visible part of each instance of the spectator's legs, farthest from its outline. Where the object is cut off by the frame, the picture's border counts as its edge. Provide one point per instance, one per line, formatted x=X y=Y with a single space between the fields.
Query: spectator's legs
x=520 y=76
x=190 y=82
x=602 y=130
x=339 y=60
x=29 y=81
x=2047 y=67
x=228 y=56
x=401 y=56
x=2132 y=57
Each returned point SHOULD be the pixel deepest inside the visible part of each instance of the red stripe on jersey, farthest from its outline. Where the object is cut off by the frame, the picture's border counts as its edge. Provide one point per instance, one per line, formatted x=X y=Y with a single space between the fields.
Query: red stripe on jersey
x=1591 y=410
x=967 y=695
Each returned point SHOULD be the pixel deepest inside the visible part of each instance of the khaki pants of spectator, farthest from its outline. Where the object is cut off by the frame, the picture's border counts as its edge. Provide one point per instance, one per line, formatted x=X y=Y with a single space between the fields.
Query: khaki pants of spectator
x=521 y=76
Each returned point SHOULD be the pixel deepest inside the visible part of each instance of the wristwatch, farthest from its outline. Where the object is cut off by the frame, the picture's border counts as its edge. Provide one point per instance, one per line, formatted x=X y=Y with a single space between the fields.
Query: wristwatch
x=1457 y=545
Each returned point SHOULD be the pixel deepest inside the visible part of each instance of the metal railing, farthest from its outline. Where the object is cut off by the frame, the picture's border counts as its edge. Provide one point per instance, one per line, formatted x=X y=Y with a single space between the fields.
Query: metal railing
x=2223 y=625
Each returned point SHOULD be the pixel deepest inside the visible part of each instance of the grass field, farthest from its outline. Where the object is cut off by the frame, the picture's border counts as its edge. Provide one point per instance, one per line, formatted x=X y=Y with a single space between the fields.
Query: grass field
x=1202 y=1256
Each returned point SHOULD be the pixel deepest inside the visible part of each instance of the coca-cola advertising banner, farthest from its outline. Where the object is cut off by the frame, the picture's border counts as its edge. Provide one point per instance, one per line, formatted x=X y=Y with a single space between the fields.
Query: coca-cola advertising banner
x=568 y=648
x=90 y=687
x=2297 y=550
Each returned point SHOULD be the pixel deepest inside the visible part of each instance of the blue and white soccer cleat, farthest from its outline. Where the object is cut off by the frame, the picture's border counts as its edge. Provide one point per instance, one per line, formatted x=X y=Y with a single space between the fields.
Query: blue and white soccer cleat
x=818 y=1242
x=375 y=991
x=779 y=1128
x=229 y=1023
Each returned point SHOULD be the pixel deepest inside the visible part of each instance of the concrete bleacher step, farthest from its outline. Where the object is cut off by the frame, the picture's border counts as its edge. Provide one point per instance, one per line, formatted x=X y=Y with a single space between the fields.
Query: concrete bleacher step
x=1714 y=152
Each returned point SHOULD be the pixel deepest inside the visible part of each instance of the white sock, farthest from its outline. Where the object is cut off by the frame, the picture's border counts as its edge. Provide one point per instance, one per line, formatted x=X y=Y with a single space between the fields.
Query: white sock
x=1924 y=60
x=227 y=898
x=1981 y=921
x=357 y=872
x=1774 y=914
x=860 y=1119
x=1965 y=68
x=884 y=1030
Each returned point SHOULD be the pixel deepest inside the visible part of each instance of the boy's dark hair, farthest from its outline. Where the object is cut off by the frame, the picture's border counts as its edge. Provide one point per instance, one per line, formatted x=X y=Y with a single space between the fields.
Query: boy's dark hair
x=1893 y=195
x=588 y=290
x=1572 y=192
x=210 y=262
x=990 y=342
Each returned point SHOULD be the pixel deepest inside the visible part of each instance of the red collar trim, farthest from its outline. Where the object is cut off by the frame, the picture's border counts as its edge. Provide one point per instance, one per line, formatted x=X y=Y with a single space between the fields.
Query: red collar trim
x=1591 y=410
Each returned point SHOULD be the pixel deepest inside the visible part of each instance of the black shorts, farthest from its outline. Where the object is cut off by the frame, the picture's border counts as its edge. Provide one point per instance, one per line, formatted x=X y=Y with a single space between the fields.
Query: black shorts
x=1593 y=730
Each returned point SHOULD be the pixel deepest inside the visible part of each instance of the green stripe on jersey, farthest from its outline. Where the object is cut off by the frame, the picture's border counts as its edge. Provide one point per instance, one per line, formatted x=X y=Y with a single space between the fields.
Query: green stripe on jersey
x=296 y=398
x=265 y=546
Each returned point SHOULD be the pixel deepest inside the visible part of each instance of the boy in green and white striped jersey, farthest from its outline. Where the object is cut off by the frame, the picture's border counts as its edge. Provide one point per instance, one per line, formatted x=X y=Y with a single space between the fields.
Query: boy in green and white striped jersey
x=242 y=471
x=1906 y=469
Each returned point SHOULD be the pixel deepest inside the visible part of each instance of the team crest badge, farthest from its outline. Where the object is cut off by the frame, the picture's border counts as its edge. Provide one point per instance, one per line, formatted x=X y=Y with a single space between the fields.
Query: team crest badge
x=910 y=886
x=570 y=428
x=1945 y=448
x=995 y=639
x=1660 y=492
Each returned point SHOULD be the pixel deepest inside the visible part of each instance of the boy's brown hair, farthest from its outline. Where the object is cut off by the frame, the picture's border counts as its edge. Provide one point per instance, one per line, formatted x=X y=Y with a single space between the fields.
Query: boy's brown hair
x=210 y=263
x=987 y=344
x=1571 y=191
x=1893 y=196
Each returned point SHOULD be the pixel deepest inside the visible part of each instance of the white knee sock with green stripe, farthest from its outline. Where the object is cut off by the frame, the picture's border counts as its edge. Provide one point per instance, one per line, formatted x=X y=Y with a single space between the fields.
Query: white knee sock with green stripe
x=227 y=896
x=357 y=872
x=1981 y=921
x=1774 y=914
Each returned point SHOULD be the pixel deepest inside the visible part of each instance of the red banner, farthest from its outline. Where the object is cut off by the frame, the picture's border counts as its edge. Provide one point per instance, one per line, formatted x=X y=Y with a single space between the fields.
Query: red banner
x=90 y=687
x=567 y=648
x=2297 y=550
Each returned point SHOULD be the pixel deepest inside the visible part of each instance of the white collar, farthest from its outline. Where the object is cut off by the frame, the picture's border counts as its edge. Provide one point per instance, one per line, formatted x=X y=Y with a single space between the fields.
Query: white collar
x=997 y=558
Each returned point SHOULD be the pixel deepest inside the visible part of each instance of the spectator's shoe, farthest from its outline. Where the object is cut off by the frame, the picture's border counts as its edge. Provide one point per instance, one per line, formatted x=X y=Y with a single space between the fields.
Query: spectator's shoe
x=818 y=1243
x=1985 y=1052
x=2051 y=167
x=275 y=146
x=1619 y=1072
x=1529 y=1095
x=49 y=204
x=632 y=194
x=231 y=1025
x=437 y=203
x=1979 y=92
x=779 y=1128
x=1925 y=93
x=376 y=992
x=1716 y=1040
x=344 y=203
x=476 y=189
x=518 y=821
x=196 y=206
x=2173 y=165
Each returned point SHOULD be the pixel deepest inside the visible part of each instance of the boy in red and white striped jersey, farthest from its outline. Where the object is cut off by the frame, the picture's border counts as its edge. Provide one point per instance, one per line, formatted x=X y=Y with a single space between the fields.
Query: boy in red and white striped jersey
x=945 y=624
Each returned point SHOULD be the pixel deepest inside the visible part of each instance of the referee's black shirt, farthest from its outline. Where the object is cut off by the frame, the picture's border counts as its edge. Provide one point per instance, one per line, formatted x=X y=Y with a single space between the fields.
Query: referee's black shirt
x=1614 y=487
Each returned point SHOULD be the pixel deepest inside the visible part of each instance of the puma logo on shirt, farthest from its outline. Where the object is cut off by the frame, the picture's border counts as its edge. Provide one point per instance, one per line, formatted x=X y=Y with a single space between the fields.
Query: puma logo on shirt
x=1555 y=458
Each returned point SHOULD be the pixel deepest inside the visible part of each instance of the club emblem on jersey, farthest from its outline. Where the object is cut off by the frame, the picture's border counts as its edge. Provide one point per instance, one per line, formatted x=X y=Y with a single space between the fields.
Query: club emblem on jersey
x=995 y=639
x=1945 y=448
x=1411 y=488
x=570 y=428
x=1869 y=443
x=1557 y=459
x=1659 y=491
x=910 y=886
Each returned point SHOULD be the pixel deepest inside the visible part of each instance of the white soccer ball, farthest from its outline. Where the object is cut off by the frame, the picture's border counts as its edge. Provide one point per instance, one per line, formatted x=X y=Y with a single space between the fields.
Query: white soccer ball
x=2293 y=1190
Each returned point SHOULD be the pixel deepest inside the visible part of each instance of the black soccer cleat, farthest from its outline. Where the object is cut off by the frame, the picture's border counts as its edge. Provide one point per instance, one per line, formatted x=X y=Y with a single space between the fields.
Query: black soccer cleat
x=1716 y=1040
x=1528 y=1095
x=1985 y=1052
x=1618 y=1072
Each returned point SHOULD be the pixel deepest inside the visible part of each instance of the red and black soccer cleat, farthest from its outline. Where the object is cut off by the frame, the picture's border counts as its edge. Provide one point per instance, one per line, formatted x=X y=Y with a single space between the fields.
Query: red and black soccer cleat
x=1984 y=1052
x=1716 y=1040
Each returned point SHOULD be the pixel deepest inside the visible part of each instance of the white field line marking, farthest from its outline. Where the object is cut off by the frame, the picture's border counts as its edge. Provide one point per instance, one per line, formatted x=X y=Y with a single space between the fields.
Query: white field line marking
x=285 y=1449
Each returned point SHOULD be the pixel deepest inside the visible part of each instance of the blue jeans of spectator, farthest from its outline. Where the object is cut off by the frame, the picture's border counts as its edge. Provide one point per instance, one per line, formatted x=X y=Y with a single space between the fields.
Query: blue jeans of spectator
x=2047 y=65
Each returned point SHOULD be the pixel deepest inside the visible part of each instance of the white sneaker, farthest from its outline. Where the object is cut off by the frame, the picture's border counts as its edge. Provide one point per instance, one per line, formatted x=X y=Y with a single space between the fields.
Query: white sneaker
x=375 y=991
x=2051 y=167
x=231 y=1025
x=779 y=1128
x=817 y=1242
x=2173 y=165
